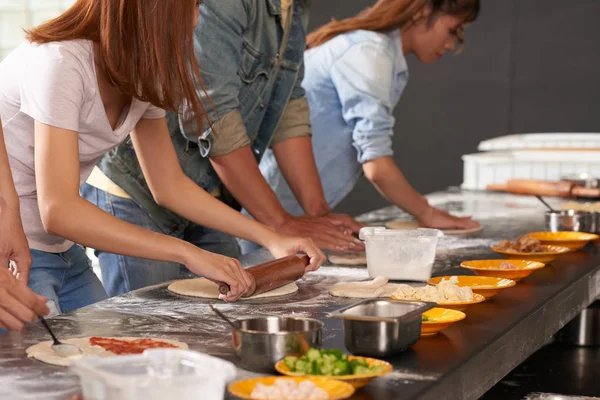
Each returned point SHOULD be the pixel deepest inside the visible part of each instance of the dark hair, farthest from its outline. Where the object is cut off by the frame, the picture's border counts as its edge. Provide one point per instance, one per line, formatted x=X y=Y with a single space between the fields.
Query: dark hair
x=386 y=15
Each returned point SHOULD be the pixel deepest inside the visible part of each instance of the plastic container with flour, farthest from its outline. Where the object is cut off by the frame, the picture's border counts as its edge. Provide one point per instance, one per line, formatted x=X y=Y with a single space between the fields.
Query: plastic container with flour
x=157 y=374
x=400 y=254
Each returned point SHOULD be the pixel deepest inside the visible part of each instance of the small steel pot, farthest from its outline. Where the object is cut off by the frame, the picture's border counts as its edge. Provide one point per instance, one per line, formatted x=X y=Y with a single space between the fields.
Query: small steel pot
x=382 y=328
x=261 y=342
x=569 y=220
x=584 y=329
x=582 y=179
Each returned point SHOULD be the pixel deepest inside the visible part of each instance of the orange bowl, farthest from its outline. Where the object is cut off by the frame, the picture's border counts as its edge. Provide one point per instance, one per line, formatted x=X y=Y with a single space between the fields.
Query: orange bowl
x=572 y=240
x=336 y=390
x=492 y=268
x=439 y=319
x=357 y=381
x=487 y=286
x=550 y=253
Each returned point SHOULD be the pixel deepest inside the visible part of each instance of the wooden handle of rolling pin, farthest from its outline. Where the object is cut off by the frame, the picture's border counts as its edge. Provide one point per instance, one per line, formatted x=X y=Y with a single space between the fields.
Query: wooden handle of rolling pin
x=274 y=274
x=541 y=188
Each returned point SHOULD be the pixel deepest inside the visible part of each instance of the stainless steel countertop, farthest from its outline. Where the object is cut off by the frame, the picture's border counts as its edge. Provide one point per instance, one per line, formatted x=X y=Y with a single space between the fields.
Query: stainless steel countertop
x=462 y=362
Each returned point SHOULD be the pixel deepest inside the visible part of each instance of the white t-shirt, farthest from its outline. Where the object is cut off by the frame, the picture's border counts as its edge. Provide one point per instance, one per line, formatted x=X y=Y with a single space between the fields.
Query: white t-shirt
x=56 y=84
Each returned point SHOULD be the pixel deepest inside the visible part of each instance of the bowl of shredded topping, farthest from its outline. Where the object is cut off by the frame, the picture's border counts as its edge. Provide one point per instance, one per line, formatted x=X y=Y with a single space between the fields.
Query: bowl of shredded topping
x=291 y=388
x=487 y=286
x=447 y=294
x=530 y=249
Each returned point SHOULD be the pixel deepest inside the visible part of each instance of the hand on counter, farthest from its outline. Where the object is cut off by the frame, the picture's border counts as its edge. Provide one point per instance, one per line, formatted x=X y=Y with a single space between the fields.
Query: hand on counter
x=345 y=221
x=219 y=269
x=18 y=304
x=440 y=219
x=326 y=231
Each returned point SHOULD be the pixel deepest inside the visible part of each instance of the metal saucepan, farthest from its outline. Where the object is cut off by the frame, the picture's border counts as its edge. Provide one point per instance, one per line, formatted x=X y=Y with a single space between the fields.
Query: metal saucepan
x=569 y=220
x=260 y=342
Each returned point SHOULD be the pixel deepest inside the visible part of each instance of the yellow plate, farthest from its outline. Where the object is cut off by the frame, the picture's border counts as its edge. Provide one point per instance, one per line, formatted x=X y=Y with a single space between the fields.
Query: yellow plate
x=550 y=253
x=486 y=286
x=492 y=268
x=456 y=305
x=336 y=390
x=462 y=306
x=440 y=319
x=357 y=381
x=572 y=240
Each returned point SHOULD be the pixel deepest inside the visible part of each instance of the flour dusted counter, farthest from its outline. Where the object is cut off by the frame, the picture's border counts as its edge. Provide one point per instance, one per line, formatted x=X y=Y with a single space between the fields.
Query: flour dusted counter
x=463 y=361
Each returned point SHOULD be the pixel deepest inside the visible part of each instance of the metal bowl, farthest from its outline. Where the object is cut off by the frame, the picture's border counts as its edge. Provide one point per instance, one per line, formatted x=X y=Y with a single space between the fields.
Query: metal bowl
x=582 y=179
x=382 y=328
x=569 y=220
x=261 y=342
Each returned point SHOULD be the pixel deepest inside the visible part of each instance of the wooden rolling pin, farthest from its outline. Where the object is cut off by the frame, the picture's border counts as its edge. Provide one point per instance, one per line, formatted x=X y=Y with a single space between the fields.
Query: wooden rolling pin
x=273 y=274
x=545 y=188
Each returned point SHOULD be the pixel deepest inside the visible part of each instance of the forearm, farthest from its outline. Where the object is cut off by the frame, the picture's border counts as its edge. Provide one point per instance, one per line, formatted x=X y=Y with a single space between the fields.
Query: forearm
x=387 y=178
x=239 y=172
x=78 y=220
x=297 y=164
x=200 y=207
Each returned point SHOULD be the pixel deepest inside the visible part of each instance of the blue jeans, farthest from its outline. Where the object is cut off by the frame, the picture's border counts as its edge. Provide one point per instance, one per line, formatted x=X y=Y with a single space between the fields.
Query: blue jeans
x=65 y=279
x=121 y=274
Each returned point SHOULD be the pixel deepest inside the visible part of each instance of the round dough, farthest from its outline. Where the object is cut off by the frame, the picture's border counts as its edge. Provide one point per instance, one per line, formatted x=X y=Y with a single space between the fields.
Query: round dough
x=202 y=287
x=43 y=350
x=348 y=258
x=378 y=287
x=408 y=225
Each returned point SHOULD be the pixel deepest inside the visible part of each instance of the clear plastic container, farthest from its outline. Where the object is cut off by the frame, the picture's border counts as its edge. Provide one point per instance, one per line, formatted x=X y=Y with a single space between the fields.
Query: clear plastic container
x=156 y=374
x=400 y=254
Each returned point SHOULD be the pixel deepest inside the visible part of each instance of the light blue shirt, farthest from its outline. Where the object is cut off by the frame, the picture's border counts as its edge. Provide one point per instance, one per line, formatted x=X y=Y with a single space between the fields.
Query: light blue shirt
x=352 y=82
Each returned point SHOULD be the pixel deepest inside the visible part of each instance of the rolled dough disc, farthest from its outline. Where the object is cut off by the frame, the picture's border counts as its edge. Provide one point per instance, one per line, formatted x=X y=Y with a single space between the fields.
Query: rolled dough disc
x=378 y=287
x=43 y=350
x=202 y=287
x=408 y=225
x=348 y=258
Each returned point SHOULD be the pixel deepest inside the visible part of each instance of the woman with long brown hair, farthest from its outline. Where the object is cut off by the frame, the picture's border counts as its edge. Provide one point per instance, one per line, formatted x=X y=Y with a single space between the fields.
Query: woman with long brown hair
x=77 y=87
x=355 y=74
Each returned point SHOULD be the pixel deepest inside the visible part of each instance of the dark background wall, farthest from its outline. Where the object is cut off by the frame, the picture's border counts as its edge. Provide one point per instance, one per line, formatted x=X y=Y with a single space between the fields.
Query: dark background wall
x=528 y=66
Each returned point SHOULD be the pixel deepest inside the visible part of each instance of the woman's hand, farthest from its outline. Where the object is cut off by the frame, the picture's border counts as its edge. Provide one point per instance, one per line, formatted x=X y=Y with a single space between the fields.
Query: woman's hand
x=220 y=269
x=18 y=304
x=282 y=246
x=436 y=218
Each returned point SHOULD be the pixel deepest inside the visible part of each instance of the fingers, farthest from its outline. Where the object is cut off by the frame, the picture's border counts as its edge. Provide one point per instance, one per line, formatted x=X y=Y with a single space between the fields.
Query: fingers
x=317 y=257
x=239 y=280
x=17 y=308
x=8 y=321
x=336 y=240
x=347 y=221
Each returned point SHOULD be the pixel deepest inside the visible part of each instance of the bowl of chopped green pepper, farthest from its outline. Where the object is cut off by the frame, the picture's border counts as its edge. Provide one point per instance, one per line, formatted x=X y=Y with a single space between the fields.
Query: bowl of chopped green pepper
x=333 y=364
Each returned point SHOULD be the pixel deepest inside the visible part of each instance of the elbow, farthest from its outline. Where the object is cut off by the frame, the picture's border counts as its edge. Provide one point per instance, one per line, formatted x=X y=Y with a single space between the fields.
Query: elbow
x=160 y=199
x=52 y=218
x=161 y=195
x=372 y=173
